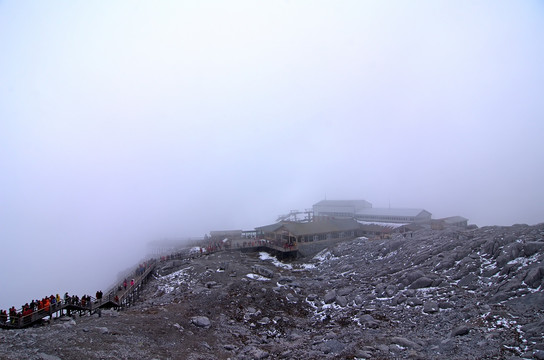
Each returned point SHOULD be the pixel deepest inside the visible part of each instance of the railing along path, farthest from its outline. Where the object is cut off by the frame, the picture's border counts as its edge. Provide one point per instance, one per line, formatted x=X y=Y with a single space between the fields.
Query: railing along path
x=124 y=298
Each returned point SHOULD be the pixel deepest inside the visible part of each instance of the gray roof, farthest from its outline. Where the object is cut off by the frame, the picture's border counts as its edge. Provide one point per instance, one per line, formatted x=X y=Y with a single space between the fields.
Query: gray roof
x=391 y=212
x=353 y=203
x=454 y=219
x=315 y=227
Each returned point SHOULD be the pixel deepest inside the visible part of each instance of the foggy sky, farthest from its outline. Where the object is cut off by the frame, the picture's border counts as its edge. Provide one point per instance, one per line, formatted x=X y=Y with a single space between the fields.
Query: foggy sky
x=126 y=122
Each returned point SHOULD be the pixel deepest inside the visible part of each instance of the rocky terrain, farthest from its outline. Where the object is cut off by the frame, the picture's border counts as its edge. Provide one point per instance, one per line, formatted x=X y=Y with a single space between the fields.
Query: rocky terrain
x=473 y=294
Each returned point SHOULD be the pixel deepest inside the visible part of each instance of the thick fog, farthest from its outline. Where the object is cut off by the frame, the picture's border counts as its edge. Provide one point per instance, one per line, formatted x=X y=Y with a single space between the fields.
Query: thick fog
x=126 y=122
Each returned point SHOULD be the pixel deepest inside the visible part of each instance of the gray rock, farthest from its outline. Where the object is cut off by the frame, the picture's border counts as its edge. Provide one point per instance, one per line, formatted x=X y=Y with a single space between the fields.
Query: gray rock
x=364 y=354
x=358 y=300
x=345 y=291
x=445 y=264
x=469 y=279
x=330 y=296
x=258 y=354
x=368 y=321
x=413 y=276
x=211 y=284
x=251 y=310
x=332 y=346
x=285 y=279
x=531 y=248
x=342 y=301
x=102 y=330
x=404 y=342
x=534 y=329
x=430 y=307
x=292 y=298
x=414 y=301
x=263 y=271
x=527 y=302
x=460 y=330
x=399 y=299
x=201 y=321
x=422 y=282
x=534 y=276
x=445 y=305
x=391 y=290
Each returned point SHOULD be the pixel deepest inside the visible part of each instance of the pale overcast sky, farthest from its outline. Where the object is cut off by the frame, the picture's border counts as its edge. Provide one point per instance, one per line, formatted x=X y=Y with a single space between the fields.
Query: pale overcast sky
x=123 y=122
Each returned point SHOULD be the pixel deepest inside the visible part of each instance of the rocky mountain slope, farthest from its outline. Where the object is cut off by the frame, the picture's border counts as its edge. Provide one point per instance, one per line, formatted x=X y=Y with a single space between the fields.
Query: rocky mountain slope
x=474 y=294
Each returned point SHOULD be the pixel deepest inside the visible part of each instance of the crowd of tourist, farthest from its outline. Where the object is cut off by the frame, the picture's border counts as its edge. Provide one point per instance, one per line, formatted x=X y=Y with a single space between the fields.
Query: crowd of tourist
x=50 y=304
x=45 y=306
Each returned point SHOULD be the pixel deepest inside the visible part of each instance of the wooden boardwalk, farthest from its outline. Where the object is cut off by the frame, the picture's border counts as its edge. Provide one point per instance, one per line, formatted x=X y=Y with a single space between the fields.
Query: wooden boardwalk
x=125 y=298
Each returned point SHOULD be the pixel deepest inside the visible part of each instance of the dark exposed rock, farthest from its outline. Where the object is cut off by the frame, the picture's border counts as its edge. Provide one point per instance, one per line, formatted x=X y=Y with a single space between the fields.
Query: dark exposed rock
x=404 y=342
x=534 y=277
x=430 y=307
x=468 y=280
x=332 y=346
x=330 y=296
x=460 y=330
x=342 y=301
x=422 y=282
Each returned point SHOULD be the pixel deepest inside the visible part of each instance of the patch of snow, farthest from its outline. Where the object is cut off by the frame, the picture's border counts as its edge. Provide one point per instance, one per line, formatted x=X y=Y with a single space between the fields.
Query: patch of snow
x=391 y=254
x=384 y=298
x=196 y=250
x=266 y=256
x=257 y=277
x=523 y=261
x=324 y=255
x=169 y=282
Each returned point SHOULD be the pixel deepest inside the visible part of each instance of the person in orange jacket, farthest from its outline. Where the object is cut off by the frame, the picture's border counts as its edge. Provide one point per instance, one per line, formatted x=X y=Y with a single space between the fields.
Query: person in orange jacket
x=46 y=304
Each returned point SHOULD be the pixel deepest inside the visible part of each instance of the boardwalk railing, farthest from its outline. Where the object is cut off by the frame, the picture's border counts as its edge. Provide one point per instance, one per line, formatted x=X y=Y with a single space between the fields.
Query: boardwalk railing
x=124 y=298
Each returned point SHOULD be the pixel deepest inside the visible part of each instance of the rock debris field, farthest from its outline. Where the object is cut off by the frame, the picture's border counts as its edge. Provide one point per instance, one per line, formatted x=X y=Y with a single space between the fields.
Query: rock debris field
x=472 y=294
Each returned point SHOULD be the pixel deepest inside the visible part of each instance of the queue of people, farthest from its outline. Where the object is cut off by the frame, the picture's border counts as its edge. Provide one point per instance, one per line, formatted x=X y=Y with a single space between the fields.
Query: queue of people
x=46 y=306
x=50 y=304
